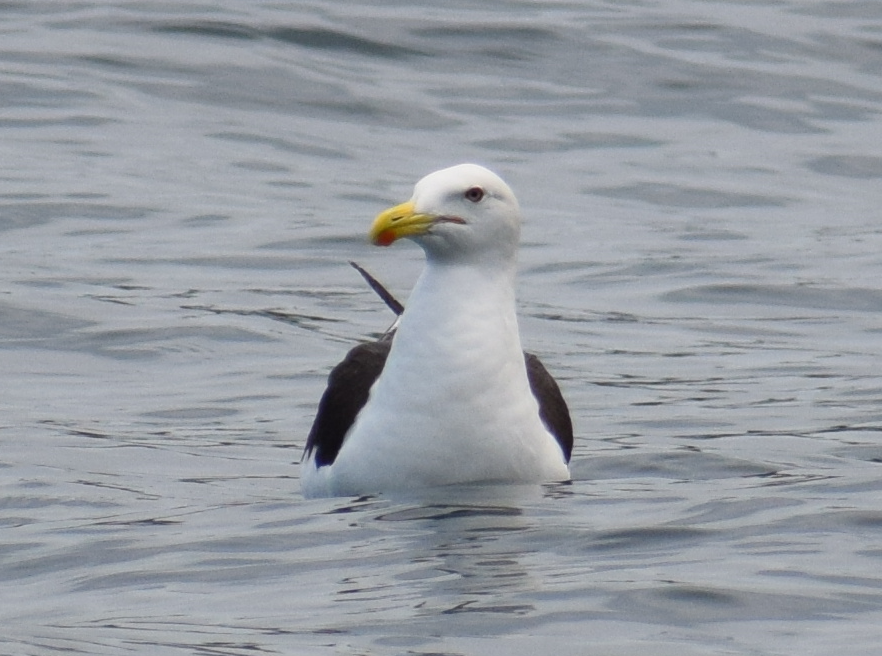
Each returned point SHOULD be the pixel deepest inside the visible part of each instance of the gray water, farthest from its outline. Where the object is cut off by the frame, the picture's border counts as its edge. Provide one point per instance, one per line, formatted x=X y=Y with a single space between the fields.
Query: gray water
x=181 y=186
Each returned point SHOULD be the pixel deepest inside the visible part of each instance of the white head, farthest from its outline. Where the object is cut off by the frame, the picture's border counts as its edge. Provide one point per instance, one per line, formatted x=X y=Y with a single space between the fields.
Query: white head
x=462 y=213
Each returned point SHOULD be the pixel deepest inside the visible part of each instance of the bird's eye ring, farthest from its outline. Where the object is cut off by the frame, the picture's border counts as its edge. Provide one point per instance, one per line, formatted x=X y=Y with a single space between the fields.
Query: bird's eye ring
x=474 y=194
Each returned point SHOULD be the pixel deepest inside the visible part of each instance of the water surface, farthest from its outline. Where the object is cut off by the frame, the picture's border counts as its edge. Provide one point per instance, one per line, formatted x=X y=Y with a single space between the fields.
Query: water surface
x=181 y=186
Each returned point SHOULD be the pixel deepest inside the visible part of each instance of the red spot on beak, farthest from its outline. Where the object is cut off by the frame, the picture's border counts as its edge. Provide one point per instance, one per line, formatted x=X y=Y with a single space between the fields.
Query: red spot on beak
x=385 y=238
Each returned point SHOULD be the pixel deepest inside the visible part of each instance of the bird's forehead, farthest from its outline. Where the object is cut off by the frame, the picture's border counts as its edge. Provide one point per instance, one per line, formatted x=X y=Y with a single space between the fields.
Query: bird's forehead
x=457 y=179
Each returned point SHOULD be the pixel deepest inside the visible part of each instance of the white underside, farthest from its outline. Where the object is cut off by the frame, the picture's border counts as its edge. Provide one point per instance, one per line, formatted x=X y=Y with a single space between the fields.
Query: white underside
x=453 y=404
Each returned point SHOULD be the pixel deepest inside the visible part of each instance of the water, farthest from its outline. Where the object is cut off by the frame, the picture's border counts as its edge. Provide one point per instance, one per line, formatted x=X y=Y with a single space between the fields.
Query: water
x=181 y=185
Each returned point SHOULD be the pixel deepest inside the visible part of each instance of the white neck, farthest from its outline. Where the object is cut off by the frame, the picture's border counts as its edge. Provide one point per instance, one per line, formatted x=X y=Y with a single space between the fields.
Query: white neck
x=447 y=297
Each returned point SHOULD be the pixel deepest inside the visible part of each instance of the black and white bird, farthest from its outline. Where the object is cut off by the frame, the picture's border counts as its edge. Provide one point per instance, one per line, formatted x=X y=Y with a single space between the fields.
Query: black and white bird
x=450 y=397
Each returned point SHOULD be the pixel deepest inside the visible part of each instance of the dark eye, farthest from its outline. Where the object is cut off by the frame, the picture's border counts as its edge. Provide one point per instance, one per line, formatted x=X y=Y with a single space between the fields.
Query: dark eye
x=475 y=194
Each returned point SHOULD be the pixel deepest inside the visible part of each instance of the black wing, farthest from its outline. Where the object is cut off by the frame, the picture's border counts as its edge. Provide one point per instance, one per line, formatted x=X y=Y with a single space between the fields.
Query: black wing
x=391 y=302
x=348 y=386
x=552 y=408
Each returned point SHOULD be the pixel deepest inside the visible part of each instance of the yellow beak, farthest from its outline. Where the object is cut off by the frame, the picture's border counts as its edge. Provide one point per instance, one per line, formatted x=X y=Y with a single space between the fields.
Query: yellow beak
x=397 y=222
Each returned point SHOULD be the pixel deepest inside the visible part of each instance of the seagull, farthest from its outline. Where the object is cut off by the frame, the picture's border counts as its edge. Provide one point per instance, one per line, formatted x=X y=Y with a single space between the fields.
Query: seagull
x=448 y=397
